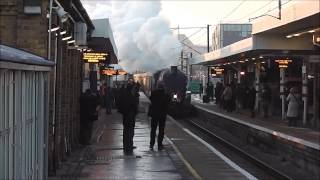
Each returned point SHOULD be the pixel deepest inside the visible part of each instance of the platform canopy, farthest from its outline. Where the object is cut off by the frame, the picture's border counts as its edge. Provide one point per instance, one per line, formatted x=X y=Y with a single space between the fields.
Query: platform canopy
x=290 y=36
x=102 y=40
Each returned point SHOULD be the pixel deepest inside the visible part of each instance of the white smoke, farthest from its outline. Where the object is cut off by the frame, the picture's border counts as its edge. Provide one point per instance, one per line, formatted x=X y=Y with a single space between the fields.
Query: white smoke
x=143 y=37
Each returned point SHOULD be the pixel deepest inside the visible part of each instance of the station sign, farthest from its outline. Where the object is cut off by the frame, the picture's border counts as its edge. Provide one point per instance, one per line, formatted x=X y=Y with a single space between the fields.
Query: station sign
x=108 y=72
x=283 y=63
x=217 y=71
x=111 y=72
x=94 y=57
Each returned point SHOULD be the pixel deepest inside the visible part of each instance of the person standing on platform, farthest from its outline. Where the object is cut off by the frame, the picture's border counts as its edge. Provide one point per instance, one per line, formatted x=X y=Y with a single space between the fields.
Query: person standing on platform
x=210 y=91
x=251 y=100
x=128 y=107
x=266 y=99
x=217 y=92
x=293 y=107
x=227 y=98
x=200 y=89
x=159 y=107
x=88 y=114
x=109 y=97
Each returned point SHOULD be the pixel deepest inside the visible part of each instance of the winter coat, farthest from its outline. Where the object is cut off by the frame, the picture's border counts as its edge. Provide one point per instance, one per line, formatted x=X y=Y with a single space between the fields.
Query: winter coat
x=227 y=93
x=293 y=106
x=159 y=103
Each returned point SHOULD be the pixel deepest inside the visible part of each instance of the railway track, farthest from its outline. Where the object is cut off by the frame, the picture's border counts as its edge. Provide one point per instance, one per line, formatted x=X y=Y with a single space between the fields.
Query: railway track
x=247 y=161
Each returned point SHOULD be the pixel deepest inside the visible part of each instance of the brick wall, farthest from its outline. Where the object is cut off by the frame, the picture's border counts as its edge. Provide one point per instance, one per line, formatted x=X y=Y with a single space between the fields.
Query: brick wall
x=29 y=32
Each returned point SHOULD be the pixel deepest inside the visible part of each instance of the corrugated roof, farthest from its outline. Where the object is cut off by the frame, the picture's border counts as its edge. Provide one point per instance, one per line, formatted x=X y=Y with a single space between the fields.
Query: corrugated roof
x=9 y=54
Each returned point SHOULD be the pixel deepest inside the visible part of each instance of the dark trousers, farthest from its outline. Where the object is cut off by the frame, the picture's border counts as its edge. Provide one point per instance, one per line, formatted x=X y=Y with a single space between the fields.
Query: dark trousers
x=161 y=121
x=85 y=132
x=128 y=131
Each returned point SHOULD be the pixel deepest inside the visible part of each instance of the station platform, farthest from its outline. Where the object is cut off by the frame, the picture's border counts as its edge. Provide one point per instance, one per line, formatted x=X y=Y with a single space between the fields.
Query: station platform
x=185 y=156
x=283 y=147
x=273 y=125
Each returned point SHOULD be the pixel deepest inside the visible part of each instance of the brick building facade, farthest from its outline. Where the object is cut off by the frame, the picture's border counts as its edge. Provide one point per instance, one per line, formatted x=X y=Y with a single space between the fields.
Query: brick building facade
x=29 y=31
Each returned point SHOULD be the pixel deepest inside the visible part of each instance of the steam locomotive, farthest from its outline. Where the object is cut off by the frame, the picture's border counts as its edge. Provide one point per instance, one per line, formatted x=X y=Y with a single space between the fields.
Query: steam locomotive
x=175 y=83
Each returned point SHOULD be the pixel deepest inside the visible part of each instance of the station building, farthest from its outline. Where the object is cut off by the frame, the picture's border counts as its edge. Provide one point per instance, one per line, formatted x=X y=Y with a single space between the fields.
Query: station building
x=57 y=31
x=283 y=52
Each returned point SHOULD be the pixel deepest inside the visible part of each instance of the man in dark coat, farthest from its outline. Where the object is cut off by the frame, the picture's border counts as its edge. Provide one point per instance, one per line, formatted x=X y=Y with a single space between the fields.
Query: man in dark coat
x=265 y=99
x=218 y=91
x=159 y=107
x=251 y=99
x=128 y=107
x=88 y=114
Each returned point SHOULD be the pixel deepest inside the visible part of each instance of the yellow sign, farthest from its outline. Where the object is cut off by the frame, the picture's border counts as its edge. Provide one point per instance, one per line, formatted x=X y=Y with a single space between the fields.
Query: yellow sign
x=217 y=70
x=108 y=72
x=92 y=57
x=111 y=72
x=283 y=63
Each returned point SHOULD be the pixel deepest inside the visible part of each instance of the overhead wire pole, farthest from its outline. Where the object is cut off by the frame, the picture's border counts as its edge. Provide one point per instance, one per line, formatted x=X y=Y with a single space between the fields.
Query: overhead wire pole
x=208 y=49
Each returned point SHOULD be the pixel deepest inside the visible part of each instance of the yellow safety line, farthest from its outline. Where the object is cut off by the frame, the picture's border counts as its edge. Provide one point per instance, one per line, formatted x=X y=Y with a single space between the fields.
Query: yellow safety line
x=190 y=168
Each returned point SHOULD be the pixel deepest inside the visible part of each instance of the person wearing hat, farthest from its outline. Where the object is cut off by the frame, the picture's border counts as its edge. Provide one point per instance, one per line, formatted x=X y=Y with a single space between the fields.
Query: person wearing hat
x=158 y=112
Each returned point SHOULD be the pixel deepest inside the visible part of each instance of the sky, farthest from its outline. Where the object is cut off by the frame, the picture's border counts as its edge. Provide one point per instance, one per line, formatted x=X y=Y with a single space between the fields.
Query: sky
x=143 y=29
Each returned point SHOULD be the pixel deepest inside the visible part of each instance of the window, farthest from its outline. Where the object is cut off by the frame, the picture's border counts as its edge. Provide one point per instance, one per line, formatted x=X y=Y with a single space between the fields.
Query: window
x=32 y=6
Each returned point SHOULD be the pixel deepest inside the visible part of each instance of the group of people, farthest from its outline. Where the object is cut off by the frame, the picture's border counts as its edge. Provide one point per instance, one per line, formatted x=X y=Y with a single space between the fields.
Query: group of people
x=232 y=98
x=126 y=100
x=127 y=104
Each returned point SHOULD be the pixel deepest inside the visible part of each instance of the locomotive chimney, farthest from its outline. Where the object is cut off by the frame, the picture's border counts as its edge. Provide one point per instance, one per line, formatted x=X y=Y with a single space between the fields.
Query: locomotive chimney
x=174 y=69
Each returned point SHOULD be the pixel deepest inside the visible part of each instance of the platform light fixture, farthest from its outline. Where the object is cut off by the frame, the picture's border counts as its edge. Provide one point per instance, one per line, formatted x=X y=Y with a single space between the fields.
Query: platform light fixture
x=296 y=34
x=66 y=38
x=63 y=32
x=71 y=41
x=54 y=29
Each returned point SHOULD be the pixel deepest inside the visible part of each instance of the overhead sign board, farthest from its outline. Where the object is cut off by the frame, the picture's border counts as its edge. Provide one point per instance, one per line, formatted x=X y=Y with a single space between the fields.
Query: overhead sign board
x=108 y=72
x=111 y=72
x=94 y=57
x=283 y=63
x=217 y=71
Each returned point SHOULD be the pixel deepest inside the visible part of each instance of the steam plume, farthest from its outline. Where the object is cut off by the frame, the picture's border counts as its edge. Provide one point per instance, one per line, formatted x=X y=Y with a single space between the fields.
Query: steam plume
x=142 y=35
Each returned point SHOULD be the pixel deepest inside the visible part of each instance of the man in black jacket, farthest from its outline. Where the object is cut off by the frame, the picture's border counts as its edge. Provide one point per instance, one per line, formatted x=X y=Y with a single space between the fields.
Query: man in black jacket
x=128 y=107
x=88 y=114
x=159 y=107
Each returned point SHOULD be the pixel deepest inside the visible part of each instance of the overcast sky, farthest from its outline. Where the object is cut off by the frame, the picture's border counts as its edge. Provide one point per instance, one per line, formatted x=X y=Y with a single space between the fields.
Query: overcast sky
x=142 y=29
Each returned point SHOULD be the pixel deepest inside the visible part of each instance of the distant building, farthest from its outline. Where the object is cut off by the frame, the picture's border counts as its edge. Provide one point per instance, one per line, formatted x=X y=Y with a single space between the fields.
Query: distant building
x=226 y=34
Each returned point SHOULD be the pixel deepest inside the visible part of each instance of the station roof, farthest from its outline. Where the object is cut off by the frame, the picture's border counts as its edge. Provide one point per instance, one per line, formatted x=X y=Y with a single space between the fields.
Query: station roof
x=102 y=39
x=77 y=11
x=10 y=54
x=269 y=36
